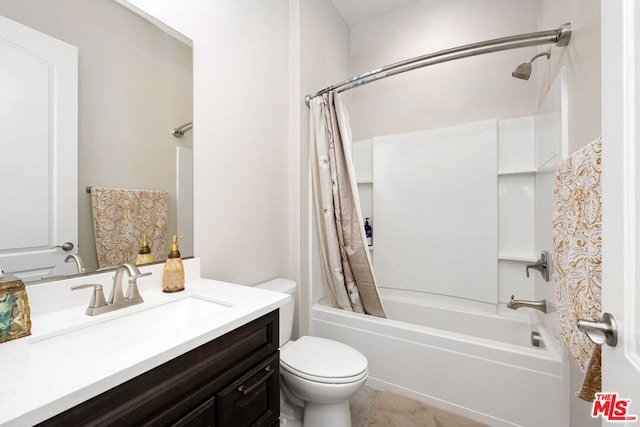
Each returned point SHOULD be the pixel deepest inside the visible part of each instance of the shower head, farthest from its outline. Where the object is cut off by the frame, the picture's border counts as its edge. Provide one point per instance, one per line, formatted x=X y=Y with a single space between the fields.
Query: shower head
x=523 y=71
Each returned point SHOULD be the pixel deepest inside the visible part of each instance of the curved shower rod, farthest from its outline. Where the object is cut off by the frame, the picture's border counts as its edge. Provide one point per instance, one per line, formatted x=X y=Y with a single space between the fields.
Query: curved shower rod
x=559 y=37
x=180 y=130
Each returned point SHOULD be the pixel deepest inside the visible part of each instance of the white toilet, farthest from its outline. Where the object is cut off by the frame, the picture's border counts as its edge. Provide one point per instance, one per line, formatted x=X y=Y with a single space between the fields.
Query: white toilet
x=317 y=374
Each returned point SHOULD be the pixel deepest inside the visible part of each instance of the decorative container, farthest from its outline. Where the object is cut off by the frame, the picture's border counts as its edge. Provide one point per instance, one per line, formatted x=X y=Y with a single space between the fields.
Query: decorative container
x=15 y=315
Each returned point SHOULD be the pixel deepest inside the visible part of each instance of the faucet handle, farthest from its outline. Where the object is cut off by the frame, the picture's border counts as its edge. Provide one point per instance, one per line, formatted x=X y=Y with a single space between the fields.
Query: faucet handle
x=139 y=275
x=132 y=290
x=97 y=297
x=542 y=265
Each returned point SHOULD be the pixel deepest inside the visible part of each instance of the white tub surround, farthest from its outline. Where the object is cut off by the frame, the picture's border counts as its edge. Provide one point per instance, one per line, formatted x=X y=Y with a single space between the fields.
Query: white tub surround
x=400 y=176
x=472 y=363
x=422 y=211
x=65 y=362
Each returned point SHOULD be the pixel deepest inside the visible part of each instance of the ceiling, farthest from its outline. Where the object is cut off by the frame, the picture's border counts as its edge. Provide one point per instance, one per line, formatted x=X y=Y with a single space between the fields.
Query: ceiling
x=356 y=12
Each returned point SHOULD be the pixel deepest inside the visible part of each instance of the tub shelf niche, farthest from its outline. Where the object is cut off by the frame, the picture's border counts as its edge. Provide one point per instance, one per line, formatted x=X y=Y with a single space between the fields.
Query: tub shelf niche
x=517 y=172
x=522 y=257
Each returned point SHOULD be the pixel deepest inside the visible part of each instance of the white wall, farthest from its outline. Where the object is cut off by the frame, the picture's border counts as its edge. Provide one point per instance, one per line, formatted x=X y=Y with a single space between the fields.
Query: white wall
x=463 y=91
x=324 y=60
x=241 y=133
x=582 y=61
x=241 y=145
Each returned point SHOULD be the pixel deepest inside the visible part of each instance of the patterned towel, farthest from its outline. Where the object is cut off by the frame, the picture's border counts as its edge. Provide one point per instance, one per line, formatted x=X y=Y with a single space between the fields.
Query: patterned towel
x=577 y=250
x=119 y=218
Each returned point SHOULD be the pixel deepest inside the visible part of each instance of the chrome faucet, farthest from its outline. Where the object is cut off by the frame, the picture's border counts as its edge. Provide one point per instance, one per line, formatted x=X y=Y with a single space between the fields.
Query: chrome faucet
x=78 y=261
x=132 y=290
x=515 y=304
x=117 y=299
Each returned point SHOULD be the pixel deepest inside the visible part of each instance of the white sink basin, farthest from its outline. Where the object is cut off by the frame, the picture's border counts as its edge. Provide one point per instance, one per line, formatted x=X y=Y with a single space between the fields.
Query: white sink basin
x=137 y=326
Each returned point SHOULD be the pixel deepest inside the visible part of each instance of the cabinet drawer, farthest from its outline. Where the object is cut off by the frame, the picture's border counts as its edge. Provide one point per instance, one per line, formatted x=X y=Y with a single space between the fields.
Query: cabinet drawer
x=254 y=399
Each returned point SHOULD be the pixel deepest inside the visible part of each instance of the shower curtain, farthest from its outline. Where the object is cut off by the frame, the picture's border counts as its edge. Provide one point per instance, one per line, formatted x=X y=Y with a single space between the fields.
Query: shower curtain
x=345 y=256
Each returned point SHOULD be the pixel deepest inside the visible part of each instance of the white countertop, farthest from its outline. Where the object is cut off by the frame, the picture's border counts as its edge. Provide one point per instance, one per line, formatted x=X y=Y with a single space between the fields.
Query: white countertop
x=42 y=378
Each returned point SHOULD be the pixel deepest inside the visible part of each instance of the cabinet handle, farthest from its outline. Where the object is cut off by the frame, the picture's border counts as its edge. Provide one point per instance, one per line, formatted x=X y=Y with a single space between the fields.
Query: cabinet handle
x=268 y=372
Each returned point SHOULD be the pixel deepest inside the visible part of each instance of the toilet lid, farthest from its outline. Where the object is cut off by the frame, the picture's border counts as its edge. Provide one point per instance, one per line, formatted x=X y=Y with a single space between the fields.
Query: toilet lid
x=323 y=360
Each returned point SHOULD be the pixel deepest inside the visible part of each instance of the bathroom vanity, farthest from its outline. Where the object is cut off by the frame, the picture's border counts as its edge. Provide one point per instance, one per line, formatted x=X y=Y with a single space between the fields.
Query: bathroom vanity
x=230 y=381
x=207 y=356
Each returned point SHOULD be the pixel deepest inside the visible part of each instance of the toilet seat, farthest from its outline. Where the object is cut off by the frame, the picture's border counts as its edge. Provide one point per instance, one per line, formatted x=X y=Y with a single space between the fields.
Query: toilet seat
x=324 y=380
x=324 y=361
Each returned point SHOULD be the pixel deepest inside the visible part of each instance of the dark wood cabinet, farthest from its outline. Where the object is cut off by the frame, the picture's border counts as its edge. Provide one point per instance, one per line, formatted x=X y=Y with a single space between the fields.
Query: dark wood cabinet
x=203 y=415
x=250 y=400
x=232 y=381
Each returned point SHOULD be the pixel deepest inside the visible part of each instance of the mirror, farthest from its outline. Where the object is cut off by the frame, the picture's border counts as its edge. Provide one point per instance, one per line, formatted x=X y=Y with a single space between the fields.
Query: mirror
x=135 y=85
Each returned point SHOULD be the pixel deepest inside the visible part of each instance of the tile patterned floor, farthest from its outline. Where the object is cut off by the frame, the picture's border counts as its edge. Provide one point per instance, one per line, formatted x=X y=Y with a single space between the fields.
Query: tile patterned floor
x=361 y=404
x=370 y=408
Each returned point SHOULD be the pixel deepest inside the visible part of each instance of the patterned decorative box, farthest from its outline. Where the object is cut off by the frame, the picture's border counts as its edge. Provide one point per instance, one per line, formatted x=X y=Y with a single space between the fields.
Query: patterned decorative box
x=15 y=316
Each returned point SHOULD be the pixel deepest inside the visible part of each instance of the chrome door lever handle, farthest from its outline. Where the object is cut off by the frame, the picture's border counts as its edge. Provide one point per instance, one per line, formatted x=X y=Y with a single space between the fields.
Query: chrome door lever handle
x=66 y=246
x=600 y=332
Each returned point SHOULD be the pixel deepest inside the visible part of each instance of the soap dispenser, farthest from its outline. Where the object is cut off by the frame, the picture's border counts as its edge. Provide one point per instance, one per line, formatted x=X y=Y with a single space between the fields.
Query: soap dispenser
x=173 y=275
x=144 y=256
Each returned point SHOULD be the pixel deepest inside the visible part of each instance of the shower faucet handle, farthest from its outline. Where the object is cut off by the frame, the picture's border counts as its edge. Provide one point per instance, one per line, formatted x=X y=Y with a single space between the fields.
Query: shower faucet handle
x=542 y=265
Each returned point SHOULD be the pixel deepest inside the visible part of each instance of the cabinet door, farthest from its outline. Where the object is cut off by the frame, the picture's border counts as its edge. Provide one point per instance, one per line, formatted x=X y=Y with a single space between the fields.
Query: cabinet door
x=203 y=416
x=254 y=399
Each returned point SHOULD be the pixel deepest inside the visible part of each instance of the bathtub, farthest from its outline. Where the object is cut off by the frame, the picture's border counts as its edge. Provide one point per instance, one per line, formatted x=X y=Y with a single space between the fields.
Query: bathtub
x=473 y=363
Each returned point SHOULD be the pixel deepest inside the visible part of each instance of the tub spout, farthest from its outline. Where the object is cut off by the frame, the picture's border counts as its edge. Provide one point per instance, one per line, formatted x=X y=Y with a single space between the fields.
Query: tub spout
x=515 y=304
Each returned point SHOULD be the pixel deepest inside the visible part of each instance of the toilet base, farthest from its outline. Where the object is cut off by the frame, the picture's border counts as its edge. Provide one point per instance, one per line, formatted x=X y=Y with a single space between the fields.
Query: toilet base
x=323 y=415
x=291 y=408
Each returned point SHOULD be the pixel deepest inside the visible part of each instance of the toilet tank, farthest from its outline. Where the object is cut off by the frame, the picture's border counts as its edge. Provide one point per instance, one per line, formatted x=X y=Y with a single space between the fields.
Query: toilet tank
x=284 y=286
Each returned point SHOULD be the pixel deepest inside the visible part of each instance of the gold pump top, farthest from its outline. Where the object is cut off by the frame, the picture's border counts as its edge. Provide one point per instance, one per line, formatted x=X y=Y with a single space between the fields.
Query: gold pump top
x=144 y=242
x=174 y=244
x=174 y=251
x=144 y=245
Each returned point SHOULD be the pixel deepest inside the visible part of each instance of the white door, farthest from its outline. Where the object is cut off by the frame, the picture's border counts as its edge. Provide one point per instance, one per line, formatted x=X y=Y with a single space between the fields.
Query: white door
x=38 y=152
x=621 y=205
